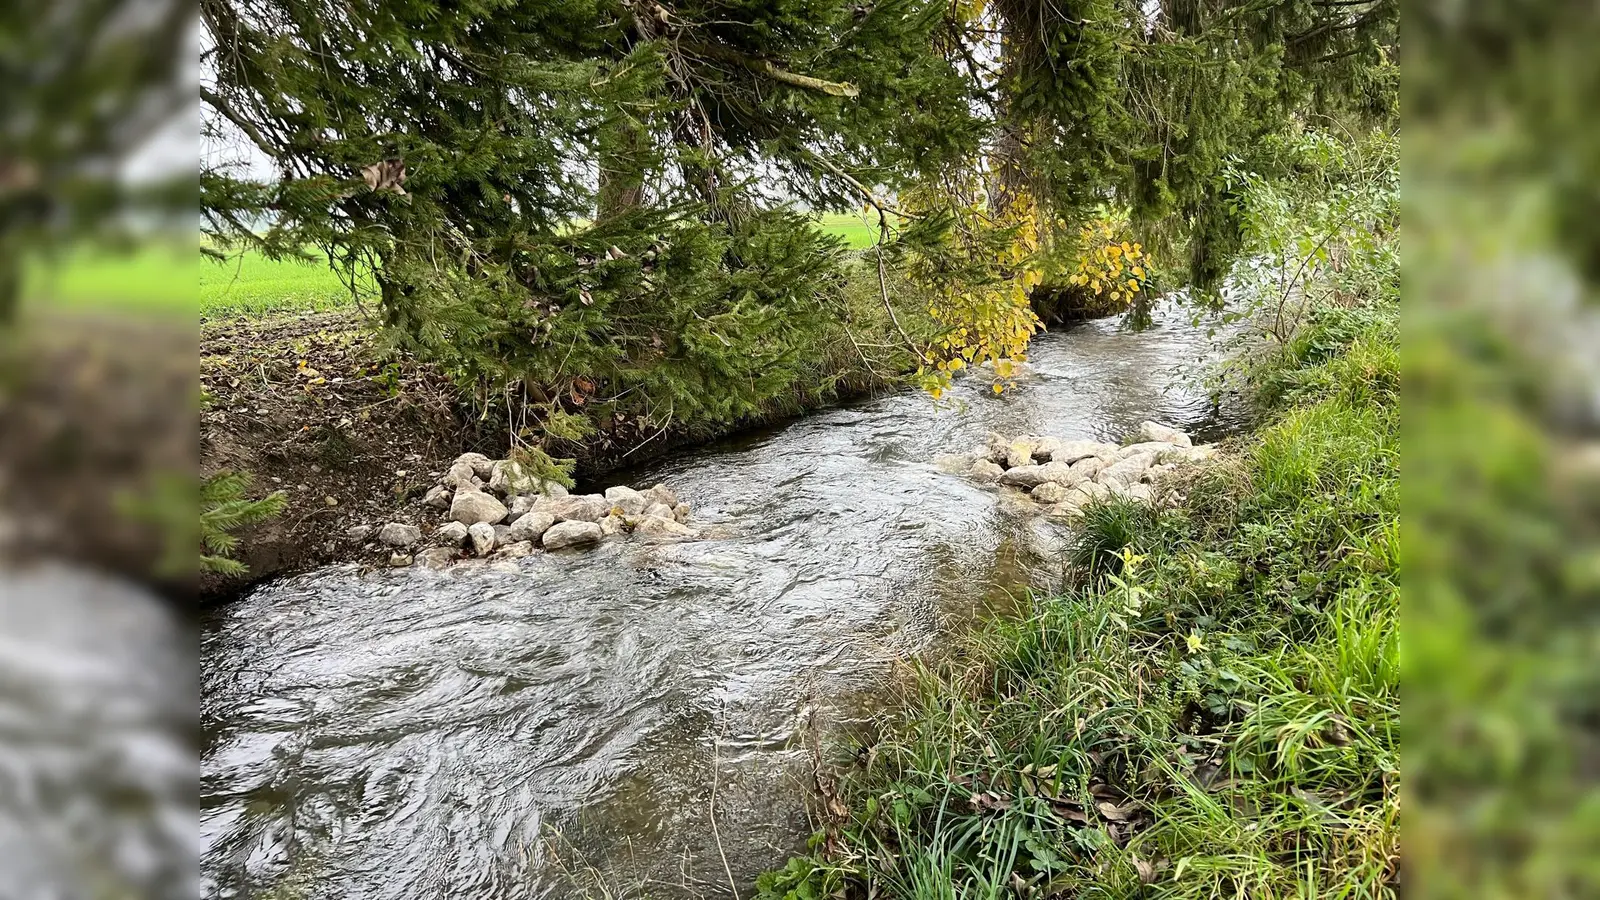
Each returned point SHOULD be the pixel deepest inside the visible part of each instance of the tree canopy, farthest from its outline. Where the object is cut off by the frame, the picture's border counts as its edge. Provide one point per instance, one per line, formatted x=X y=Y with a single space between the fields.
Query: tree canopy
x=597 y=199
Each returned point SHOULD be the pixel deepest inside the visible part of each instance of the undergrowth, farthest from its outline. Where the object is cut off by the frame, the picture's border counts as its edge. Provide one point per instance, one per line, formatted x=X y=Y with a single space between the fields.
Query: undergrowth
x=1212 y=709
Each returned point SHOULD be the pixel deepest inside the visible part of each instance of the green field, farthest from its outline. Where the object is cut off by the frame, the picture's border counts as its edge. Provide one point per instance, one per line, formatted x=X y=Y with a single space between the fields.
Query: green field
x=162 y=278
x=148 y=278
x=252 y=285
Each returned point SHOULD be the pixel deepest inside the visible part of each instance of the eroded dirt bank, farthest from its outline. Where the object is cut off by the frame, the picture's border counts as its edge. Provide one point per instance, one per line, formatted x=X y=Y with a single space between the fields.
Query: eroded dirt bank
x=355 y=436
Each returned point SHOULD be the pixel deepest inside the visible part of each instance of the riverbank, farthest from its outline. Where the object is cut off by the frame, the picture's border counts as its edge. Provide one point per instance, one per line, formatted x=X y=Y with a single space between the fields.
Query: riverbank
x=1211 y=710
x=354 y=433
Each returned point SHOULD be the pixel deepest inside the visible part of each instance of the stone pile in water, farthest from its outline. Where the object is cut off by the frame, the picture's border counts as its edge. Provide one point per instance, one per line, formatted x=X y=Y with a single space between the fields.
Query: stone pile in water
x=1066 y=475
x=493 y=508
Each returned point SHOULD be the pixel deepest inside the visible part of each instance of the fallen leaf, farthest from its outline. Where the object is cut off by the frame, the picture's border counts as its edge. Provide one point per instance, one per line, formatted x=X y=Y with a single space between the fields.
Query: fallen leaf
x=1115 y=813
x=988 y=800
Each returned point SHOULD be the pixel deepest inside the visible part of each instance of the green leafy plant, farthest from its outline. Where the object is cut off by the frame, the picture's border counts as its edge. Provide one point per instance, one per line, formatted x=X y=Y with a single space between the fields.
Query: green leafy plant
x=225 y=507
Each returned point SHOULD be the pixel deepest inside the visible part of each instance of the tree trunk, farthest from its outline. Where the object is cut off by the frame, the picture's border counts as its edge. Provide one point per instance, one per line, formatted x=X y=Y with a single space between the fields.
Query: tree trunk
x=623 y=146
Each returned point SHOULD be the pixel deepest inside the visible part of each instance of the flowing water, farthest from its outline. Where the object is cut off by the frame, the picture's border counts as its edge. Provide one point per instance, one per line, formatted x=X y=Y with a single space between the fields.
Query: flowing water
x=642 y=718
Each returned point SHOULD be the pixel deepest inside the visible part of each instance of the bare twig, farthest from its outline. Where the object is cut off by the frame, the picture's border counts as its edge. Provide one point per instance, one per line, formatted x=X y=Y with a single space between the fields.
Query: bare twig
x=716 y=754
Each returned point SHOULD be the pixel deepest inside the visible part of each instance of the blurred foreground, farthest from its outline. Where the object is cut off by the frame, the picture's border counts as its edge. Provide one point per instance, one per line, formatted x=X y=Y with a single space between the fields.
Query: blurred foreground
x=1501 y=509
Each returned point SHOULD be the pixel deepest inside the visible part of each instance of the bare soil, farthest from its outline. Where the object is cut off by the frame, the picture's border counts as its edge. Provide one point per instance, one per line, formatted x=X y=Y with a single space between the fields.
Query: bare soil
x=351 y=435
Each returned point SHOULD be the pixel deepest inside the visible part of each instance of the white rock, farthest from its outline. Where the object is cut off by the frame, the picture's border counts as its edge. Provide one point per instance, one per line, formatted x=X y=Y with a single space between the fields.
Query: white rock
x=630 y=501
x=531 y=525
x=660 y=493
x=515 y=550
x=1087 y=468
x=681 y=512
x=1159 y=449
x=1071 y=451
x=996 y=447
x=437 y=497
x=1044 y=448
x=657 y=528
x=1020 y=453
x=660 y=511
x=986 y=470
x=1023 y=476
x=612 y=525
x=1035 y=475
x=399 y=534
x=482 y=537
x=436 y=558
x=359 y=533
x=1157 y=472
x=482 y=466
x=1050 y=492
x=1144 y=493
x=451 y=534
x=471 y=507
x=582 y=508
x=502 y=535
x=400 y=560
x=1126 y=471
x=554 y=489
x=462 y=475
x=509 y=477
x=571 y=534
x=1092 y=491
x=1155 y=431
x=520 y=505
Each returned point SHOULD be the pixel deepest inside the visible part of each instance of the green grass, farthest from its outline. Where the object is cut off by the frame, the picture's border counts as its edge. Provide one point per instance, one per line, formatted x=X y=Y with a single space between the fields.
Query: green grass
x=252 y=285
x=857 y=231
x=153 y=277
x=1215 y=715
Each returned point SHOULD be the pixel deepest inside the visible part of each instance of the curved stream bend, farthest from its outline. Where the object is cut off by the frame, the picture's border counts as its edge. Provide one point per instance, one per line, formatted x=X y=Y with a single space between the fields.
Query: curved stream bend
x=418 y=734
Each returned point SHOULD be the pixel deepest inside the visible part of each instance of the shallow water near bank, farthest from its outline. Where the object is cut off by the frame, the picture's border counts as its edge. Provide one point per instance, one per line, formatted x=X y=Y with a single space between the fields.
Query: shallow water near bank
x=642 y=717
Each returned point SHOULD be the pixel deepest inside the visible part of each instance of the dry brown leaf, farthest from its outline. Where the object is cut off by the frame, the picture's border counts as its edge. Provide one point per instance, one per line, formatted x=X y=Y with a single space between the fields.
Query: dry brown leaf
x=1115 y=813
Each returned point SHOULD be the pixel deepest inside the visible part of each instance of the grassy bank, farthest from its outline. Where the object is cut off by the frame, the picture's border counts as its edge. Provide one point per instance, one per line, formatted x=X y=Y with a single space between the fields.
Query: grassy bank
x=1211 y=711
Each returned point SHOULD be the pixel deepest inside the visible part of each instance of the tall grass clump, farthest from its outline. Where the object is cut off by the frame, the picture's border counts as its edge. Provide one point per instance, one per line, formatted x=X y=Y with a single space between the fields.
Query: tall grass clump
x=1211 y=711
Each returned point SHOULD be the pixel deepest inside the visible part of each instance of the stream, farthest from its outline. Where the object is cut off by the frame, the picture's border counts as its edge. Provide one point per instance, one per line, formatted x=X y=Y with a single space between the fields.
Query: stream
x=640 y=719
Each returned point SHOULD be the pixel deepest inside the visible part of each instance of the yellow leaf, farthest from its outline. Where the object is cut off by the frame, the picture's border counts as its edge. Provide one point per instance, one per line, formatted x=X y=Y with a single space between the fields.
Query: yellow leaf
x=957 y=364
x=1133 y=285
x=1138 y=271
x=998 y=388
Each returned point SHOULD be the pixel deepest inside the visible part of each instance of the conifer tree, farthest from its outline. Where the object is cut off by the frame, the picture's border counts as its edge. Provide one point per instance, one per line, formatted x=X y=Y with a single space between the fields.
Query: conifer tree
x=586 y=200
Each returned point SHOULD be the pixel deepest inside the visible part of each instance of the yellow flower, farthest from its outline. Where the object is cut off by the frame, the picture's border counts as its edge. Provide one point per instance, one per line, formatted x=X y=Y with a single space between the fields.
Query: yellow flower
x=1195 y=642
x=999 y=388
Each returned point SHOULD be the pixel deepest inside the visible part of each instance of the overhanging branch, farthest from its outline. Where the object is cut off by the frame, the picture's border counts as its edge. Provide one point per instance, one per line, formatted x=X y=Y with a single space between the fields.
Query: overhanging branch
x=765 y=67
